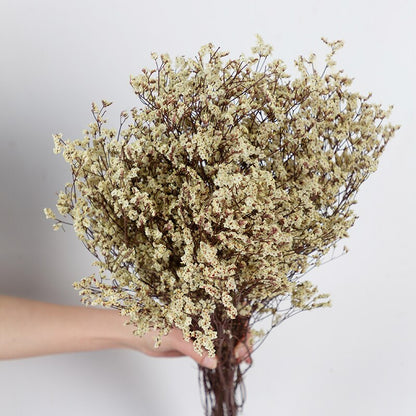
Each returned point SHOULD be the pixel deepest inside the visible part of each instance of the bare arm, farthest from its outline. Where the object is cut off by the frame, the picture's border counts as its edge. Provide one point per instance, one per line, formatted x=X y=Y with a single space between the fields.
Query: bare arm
x=30 y=328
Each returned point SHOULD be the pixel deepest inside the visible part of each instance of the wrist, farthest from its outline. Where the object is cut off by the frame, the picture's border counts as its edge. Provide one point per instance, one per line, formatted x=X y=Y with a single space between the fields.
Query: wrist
x=116 y=332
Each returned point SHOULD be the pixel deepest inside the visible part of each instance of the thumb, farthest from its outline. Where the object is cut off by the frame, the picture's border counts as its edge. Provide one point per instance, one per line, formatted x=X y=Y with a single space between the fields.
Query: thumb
x=203 y=360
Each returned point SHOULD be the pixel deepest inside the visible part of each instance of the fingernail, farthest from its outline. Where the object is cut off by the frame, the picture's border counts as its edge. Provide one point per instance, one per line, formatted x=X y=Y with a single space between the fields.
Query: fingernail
x=240 y=352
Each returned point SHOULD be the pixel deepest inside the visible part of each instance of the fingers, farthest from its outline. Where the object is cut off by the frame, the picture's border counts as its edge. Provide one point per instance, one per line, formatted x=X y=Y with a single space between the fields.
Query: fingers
x=244 y=349
x=243 y=353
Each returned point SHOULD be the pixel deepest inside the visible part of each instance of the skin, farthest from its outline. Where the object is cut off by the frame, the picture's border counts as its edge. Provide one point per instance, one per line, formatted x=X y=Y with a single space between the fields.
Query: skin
x=31 y=328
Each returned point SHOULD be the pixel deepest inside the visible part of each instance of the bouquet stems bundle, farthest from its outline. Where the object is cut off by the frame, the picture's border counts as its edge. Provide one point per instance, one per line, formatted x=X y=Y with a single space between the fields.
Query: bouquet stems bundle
x=206 y=206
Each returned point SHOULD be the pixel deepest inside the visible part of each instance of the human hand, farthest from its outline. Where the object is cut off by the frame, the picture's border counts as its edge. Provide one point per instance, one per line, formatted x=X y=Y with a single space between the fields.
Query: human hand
x=173 y=345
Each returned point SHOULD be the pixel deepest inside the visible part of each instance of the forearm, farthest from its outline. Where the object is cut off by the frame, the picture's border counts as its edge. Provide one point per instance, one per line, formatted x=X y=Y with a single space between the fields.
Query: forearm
x=31 y=328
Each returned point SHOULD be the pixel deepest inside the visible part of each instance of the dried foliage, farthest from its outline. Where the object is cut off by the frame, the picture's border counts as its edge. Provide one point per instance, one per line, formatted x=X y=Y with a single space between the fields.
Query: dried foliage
x=208 y=205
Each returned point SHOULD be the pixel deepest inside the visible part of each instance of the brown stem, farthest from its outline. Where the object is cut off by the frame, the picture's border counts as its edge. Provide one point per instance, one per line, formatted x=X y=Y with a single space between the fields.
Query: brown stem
x=223 y=387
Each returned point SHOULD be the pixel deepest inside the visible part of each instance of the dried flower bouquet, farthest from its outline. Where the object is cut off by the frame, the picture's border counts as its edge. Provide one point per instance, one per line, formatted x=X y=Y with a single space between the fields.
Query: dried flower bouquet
x=207 y=205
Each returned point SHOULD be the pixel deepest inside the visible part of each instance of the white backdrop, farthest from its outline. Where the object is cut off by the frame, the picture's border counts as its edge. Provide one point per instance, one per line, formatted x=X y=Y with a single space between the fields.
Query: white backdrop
x=357 y=358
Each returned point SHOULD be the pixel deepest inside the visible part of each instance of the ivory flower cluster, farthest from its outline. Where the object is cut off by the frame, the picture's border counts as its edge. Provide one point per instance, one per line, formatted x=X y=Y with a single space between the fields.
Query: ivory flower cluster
x=216 y=196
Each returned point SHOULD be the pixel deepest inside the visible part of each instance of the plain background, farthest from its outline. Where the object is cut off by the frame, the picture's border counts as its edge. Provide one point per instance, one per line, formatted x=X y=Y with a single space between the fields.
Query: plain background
x=356 y=358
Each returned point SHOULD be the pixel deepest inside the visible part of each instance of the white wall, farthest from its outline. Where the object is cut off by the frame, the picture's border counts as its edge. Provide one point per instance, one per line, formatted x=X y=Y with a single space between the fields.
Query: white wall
x=356 y=358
